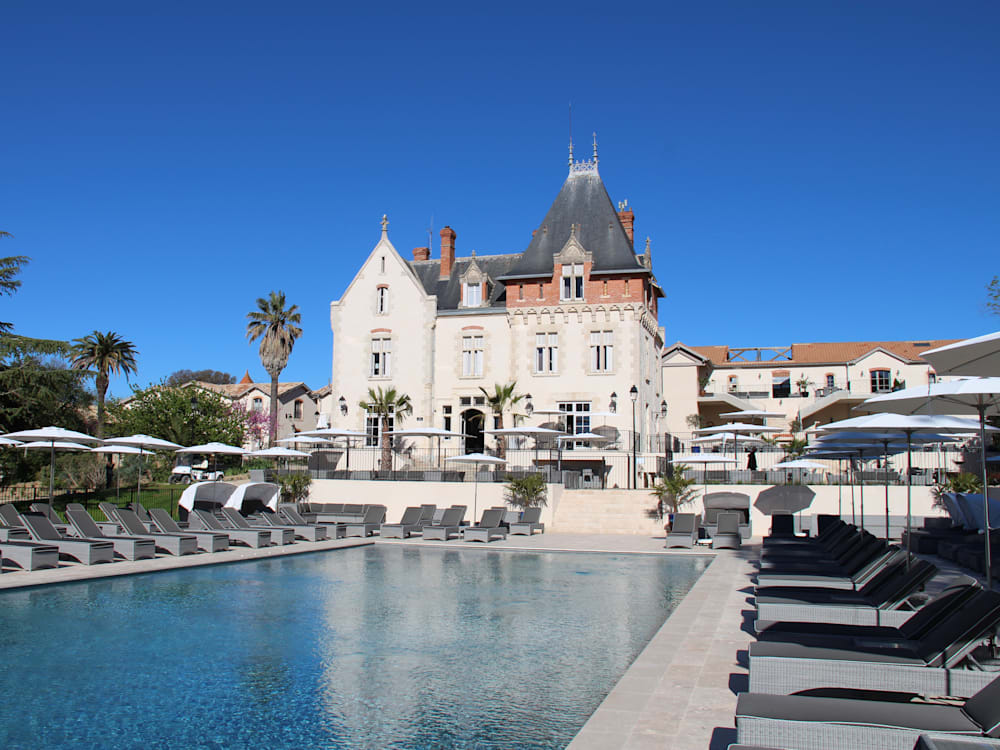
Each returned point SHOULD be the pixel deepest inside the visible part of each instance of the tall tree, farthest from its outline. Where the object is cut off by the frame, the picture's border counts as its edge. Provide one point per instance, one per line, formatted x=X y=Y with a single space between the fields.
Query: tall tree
x=387 y=404
x=10 y=267
x=180 y=377
x=504 y=397
x=277 y=329
x=993 y=296
x=104 y=354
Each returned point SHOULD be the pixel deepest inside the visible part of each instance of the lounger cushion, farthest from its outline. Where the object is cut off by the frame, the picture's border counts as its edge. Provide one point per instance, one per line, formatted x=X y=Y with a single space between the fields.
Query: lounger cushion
x=984 y=708
x=905 y=654
x=919 y=716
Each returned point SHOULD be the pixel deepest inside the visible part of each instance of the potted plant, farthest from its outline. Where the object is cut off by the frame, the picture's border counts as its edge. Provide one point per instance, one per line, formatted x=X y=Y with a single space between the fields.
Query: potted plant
x=703 y=382
x=526 y=492
x=672 y=490
x=803 y=384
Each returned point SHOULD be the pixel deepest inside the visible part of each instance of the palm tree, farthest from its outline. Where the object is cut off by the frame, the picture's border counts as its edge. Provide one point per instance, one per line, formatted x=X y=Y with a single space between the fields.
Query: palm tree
x=387 y=404
x=502 y=398
x=106 y=354
x=277 y=328
x=672 y=491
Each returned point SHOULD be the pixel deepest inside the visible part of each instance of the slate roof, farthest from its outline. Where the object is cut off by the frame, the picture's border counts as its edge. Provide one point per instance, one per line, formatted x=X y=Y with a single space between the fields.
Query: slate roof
x=828 y=352
x=449 y=291
x=583 y=201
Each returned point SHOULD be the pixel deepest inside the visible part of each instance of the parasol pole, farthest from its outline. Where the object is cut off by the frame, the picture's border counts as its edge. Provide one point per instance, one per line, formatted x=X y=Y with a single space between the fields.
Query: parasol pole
x=981 y=408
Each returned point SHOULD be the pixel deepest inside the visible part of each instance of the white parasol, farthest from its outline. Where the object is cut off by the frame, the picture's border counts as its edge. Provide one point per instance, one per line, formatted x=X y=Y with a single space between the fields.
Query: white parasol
x=479 y=459
x=52 y=435
x=977 y=356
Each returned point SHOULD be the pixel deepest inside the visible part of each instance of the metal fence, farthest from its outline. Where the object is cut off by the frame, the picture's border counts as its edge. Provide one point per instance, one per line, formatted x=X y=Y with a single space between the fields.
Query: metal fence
x=153 y=497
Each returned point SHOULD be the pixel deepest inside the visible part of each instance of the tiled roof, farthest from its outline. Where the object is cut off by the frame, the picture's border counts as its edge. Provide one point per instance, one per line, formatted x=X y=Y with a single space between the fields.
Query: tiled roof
x=237 y=390
x=827 y=352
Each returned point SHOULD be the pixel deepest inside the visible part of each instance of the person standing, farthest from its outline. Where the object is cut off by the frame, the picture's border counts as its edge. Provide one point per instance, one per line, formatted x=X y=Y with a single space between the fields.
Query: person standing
x=752 y=460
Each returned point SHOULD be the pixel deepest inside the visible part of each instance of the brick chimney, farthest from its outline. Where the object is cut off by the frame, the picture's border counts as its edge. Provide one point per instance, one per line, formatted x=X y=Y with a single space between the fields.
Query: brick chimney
x=447 y=251
x=627 y=218
x=421 y=253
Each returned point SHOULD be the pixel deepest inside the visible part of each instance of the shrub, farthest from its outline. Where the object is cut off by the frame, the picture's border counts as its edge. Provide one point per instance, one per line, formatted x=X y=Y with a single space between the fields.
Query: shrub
x=671 y=492
x=526 y=492
x=295 y=487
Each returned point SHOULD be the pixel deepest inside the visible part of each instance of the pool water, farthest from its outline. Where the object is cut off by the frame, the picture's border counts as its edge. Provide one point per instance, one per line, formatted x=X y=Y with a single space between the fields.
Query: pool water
x=378 y=647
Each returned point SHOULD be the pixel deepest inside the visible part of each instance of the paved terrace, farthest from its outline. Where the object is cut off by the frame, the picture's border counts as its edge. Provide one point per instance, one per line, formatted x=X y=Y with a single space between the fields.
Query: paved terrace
x=679 y=693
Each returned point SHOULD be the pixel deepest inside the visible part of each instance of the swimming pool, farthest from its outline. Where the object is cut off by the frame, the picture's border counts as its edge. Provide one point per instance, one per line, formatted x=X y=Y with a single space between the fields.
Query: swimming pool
x=386 y=646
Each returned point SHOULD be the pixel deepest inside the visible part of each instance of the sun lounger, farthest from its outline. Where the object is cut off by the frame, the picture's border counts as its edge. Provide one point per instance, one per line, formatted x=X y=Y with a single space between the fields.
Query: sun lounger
x=208 y=541
x=256 y=538
x=128 y=547
x=307 y=531
x=280 y=535
x=408 y=524
x=528 y=523
x=53 y=517
x=806 y=722
x=172 y=544
x=371 y=521
x=822 y=577
x=487 y=529
x=684 y=532
x=29 y=555
x=86 y=551
x=427 y=515
x=930 y=665
x=727 y=534
x=10 y=517
x=450 y=525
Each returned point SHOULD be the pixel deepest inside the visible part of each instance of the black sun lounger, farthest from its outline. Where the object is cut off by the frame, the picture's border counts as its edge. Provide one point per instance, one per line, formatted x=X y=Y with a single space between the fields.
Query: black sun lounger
x=86 y=551
x=127 y=547
x=208 y=541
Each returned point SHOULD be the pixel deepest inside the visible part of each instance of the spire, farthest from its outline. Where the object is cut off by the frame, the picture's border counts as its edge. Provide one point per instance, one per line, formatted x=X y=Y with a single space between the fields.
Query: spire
x=595 y=148
x=647 y=257
x=385 y=225
x=247 y=380
x=587 y=166
x=571 y=151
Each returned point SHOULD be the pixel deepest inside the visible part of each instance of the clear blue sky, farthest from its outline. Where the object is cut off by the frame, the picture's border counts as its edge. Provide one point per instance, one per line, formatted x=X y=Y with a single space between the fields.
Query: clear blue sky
x=807 y=171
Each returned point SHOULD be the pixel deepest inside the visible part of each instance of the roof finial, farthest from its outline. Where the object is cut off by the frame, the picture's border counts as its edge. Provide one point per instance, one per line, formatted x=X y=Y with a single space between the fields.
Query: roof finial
x=595 y=147
x=571 y=151
x=385 y=224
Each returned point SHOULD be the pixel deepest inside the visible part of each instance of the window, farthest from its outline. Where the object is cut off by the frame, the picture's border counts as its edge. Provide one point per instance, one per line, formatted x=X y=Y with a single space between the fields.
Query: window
x=604 y=289
x=781 y=384
x=540 y=295
x=373 y=433
x=446 y=410
x=381 y=354
x=382 y=300
x=830 y=381
x=473 y=295
x=472 y=356
x=880 y=381
x=546 y=352
x=601 y=351
x=382 y=265
x=479 y=401
x=932 y=378
x=626 y=288
x=465 y=400
x=734 y=383
x=577 y=418
x=572 y=281
x=520 y=291
x=258 y=405
x=297 y=410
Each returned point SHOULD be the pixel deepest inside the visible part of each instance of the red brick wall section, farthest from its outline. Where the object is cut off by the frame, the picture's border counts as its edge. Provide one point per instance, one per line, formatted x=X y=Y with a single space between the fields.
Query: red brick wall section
x=627 y=219
x=447 y=251
x=421 y=253
x=593 y=290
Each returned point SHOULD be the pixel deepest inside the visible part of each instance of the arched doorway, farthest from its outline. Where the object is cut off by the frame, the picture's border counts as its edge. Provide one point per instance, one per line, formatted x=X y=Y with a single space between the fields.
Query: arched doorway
x=472 y=427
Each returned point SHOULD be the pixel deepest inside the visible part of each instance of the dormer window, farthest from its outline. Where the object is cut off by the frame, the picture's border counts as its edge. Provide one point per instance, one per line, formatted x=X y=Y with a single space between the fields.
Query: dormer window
x=572 y=282
x=473 y=294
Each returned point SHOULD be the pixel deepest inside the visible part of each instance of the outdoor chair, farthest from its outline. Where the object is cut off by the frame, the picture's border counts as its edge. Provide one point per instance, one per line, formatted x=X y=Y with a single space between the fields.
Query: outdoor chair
x=10 y=517
x=306 y=531
x=529 y=522
x=727 y=533
x=233 y=519
x=427 y=513
x=373 y=518
x=408 y=524
x=208 y=541
x=51 y=514
x=86 y=551
x=29 y=555
x=929 y=665
x=896 y=723
x=128 y=547
x=255 y=538
x=291 y=515
x=684 y=532
x=449 y=526
x=855 y=573
x=172 y=544
x=487 y=529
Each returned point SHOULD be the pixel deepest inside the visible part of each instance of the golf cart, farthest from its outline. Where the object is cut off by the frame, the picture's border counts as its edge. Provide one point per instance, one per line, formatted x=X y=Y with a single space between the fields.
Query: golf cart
x=198 y=472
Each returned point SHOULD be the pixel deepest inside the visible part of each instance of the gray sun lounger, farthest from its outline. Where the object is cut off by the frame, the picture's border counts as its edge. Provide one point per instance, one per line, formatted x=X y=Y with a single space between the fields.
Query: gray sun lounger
x=204 y=520
x=86 y=551
x=292 y=516
x=488 y=527
x=427 y=514
x=29 y=555
x=173 y=544
x=371 y=522
x=50 y=513
x=280 y=535
x=930 y=665
x=128 y=547
x=450 y=525
x=529 y=522
x=684 y=532
x=801 y=721
x=727 y=532
x=10 y=517
x=408 y=524
x=306 y=531
x=208 y=541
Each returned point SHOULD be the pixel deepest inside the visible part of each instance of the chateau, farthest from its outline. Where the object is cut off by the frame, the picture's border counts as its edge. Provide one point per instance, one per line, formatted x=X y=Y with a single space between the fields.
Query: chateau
x=572 y=319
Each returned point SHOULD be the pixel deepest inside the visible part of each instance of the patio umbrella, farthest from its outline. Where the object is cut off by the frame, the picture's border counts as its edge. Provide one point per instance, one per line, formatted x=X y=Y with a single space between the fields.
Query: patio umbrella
x=214 y=449
x=52 y=435
x=146 y=443
x=737 y=428
x=8 y=443
x=980 y=396
x=428 y=432
x=787 y=498
x=977 y=356
x=52 y=446
x=908 y=426
x=278 y=453
x=479 y=459
x=120 y=450
x=305 y=440
x=752 y=414
x=336 y=432
x=702 y=458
